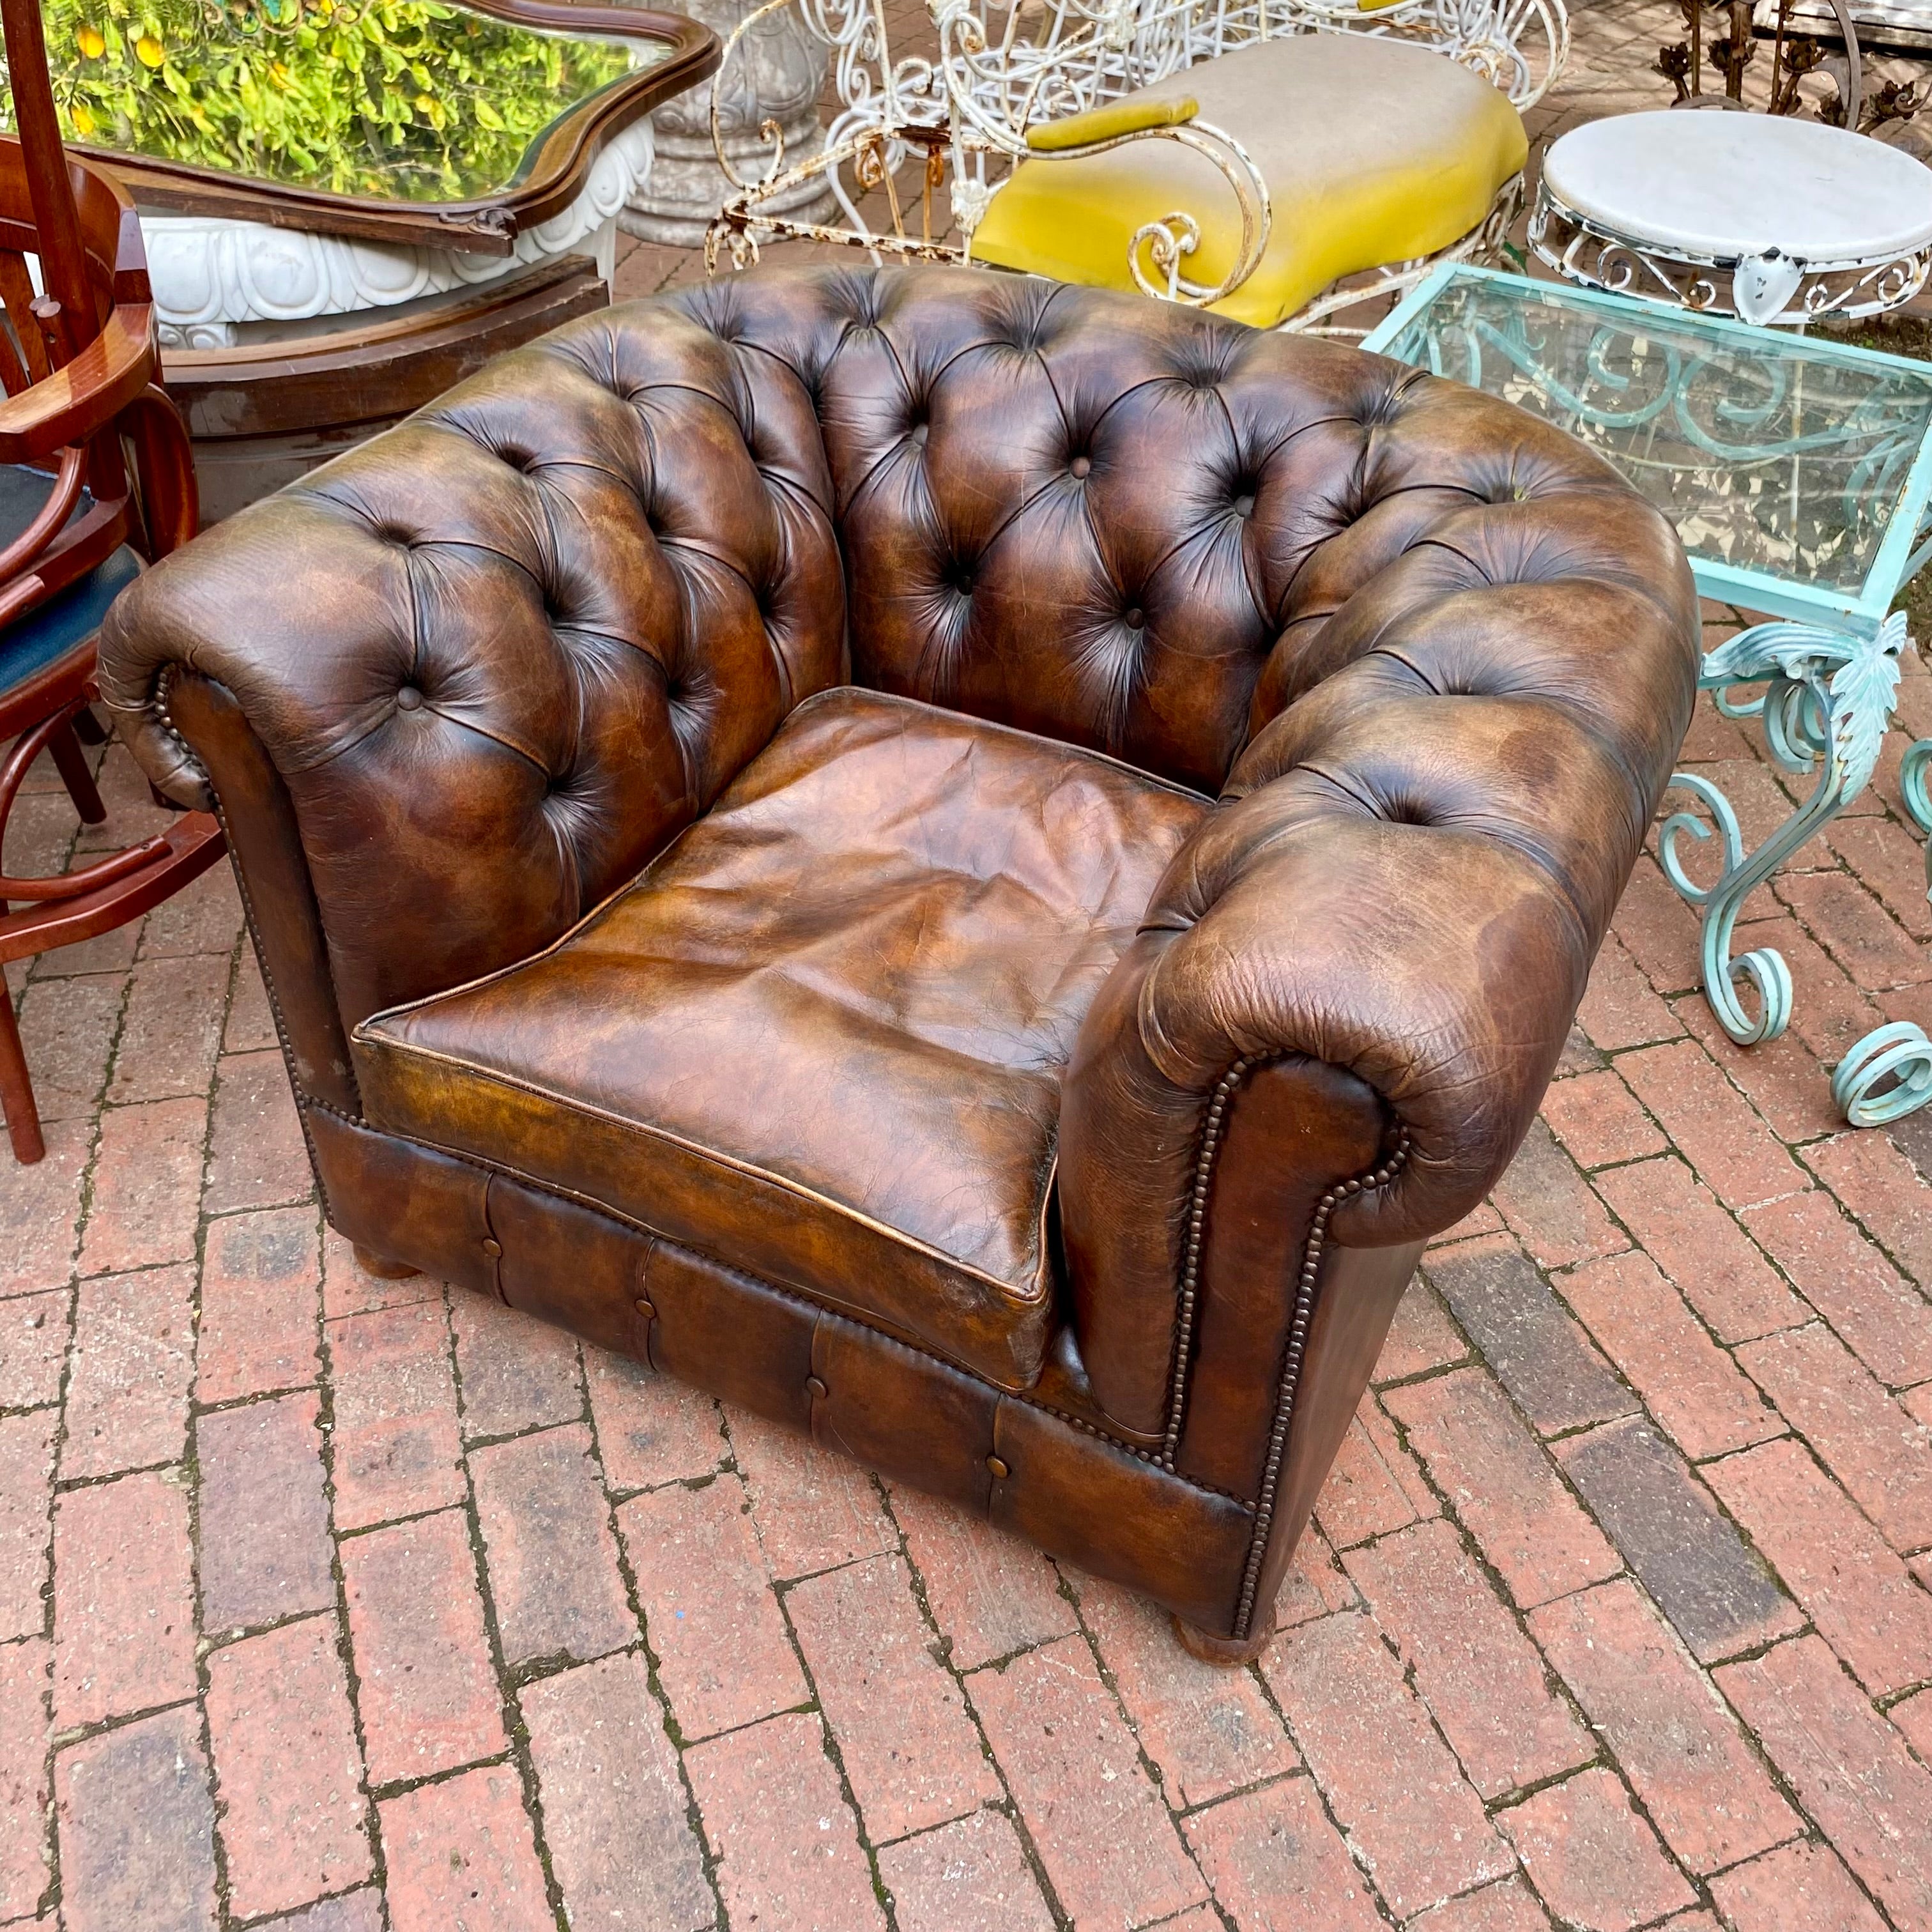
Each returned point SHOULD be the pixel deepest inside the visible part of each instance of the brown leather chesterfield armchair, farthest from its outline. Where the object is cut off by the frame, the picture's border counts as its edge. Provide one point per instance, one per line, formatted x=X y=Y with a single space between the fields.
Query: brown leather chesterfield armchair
x=972 y=865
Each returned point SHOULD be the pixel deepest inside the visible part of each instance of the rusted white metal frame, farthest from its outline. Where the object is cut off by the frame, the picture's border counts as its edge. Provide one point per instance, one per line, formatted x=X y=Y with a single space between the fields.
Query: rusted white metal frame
x=1004 y=66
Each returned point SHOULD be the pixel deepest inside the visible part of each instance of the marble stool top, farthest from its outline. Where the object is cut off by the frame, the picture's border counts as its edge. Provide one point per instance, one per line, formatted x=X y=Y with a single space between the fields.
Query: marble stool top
x=1721 y=185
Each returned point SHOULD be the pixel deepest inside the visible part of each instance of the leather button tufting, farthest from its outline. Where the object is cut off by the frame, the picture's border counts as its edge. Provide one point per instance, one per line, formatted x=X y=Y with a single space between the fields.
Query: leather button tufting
x=1081 y=465
x=816 y=1389
x=491 y=1247
x=409 y=698
x=998 y=1467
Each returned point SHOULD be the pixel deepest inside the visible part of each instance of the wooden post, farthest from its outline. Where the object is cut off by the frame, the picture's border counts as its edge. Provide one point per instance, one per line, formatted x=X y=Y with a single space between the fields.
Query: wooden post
x=63 y=260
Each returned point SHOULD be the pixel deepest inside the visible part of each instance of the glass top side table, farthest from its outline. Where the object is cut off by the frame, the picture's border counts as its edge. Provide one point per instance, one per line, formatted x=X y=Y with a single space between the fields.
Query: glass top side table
x=1798 y=473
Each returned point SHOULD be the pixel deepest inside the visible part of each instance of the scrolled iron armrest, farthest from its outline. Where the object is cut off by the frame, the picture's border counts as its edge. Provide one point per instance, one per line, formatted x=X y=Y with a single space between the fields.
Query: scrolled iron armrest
x=1169 y=240
x=1041 y=117
x=1487 y=39
x=768 y=129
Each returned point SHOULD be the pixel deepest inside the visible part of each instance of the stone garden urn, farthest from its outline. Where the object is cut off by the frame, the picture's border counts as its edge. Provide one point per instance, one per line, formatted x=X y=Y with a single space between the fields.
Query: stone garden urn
x=775 y=73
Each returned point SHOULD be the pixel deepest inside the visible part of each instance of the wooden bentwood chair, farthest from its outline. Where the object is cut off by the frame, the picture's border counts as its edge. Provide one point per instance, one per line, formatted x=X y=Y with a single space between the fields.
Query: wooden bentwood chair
x=95 y=475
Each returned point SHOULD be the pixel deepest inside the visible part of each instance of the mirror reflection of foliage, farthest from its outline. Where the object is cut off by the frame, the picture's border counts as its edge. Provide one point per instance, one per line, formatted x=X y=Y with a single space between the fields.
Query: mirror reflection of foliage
x=407 y=100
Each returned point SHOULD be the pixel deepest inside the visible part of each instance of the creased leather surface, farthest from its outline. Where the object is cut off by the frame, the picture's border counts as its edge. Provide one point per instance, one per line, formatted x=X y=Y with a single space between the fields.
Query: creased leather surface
x=822 y=1037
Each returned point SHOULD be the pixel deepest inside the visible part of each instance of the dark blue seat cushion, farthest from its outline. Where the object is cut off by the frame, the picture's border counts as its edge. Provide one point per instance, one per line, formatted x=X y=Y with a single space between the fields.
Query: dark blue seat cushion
x=50 y=630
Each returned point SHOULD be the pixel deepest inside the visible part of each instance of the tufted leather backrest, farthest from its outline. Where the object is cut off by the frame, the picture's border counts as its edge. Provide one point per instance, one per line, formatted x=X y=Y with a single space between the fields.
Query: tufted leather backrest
x=513 y=645
x=1105 y=520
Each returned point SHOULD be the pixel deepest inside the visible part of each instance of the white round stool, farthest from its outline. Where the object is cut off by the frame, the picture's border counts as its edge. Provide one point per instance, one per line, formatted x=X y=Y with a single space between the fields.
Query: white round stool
x=1760 y=216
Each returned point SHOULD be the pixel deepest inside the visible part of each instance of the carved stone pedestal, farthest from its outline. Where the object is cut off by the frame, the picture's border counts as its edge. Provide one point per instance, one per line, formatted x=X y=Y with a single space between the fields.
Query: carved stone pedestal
x=775 y=73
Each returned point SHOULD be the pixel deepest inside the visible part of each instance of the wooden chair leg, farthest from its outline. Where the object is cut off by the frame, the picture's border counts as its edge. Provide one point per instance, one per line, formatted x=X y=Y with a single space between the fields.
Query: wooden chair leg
x=70 y=762
x=88 y=728
x=16 y=1091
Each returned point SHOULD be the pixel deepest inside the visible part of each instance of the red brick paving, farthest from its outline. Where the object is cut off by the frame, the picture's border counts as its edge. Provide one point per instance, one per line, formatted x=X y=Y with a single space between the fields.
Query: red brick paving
x=1795 y=1888
x=1392 y=1783
x=428 y=1697
x=135 y=1822
x=1683 y=1752
x=276 y=1702
x=1850 y=1770
x=1208 y=1731
x=124 y=1600
x=1596 y=1862
x=1478 y=1671
x=261 y=1283
x=615 y=1807
x=264 y=1544
x=910 y=1752
x=1491 y=1472
x=971 y=1875
x=1105 y=1840
x=531 y=1638
x=131 y=1362
x=463 y=1853
x=788 y=1845
x=25 y=1723
x=717 y=1629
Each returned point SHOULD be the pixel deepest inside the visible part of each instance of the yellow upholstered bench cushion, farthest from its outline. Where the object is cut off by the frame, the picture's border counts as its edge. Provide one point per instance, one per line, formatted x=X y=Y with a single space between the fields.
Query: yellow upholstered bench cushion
x=1374 y=152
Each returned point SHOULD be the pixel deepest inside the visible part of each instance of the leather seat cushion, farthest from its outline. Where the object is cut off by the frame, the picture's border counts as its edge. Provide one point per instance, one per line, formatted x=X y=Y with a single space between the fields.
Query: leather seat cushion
x=821 y=1036
x=1374 y=152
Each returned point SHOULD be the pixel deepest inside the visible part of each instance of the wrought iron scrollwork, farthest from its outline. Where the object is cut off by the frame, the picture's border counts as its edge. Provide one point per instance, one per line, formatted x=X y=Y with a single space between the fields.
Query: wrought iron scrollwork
x=1004 y=66
x=1889 y=1073
x=1827 y=698
x=1721 y=44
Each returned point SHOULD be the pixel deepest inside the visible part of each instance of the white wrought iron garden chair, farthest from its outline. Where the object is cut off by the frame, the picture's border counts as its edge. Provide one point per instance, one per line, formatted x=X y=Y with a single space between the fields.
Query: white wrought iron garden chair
x=1035 y=119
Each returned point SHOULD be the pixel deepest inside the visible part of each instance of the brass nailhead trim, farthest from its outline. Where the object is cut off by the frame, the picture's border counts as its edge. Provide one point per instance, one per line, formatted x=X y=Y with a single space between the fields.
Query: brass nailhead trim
x=1291 y=1371
x=1190 y=1269
x=645 y=1309
x=492 y=1246
x=998 y=1468
x=816 y=1389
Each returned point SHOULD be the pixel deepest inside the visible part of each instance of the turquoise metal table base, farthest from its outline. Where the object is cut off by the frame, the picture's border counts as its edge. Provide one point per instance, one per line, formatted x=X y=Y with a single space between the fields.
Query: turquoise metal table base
x=1827 y=701
x=1798 y=472
x=1888 y=1074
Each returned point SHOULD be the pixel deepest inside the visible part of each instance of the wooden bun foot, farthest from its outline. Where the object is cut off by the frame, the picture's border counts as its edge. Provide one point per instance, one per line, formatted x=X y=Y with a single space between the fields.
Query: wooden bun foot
x=380 y=1266
x=1230 y=1653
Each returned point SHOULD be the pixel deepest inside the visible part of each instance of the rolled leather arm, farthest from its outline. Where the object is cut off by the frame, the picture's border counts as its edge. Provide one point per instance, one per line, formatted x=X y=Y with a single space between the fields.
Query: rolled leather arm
x=1406 y=882
x=480 y=668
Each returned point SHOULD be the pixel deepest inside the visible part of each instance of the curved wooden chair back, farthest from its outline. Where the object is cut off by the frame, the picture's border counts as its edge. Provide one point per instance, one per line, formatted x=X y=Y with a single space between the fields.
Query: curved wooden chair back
x=83 y=415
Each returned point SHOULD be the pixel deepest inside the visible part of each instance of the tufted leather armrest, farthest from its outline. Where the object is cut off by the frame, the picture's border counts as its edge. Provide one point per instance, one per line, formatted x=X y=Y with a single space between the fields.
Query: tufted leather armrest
x=1411 y=867
x=471 y=676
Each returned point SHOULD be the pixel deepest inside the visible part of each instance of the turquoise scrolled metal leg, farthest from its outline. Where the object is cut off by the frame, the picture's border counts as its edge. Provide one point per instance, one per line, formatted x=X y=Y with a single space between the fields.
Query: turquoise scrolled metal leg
x=1827 y=700
x=1889 y=1073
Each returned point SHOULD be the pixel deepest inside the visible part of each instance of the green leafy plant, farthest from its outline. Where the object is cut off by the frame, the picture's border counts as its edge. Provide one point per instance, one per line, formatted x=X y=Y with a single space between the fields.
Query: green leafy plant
x=405 y=100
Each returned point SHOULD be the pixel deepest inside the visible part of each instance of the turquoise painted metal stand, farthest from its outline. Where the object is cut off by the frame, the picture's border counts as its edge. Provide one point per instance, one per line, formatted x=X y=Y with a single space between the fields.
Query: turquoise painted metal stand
x=1798 y=472
x=1888 y=1074
x=1827 y=701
